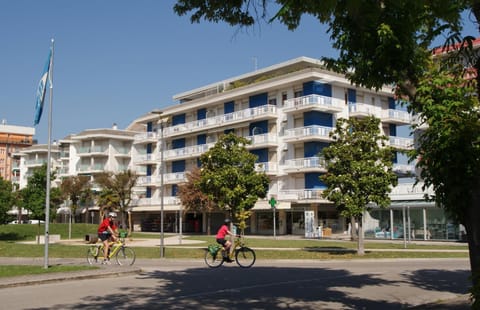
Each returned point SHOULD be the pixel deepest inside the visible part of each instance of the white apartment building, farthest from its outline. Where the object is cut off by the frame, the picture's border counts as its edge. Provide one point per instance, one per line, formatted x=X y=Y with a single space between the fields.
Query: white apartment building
x=287 y=111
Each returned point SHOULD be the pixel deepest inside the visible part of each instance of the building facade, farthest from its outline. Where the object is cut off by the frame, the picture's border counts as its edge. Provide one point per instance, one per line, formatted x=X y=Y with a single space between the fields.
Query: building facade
x=12 y=140
x=287 y=111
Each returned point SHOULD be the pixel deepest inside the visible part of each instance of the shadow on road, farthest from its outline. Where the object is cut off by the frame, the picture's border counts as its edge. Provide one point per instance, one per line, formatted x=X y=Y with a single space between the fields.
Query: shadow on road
x=231 y=287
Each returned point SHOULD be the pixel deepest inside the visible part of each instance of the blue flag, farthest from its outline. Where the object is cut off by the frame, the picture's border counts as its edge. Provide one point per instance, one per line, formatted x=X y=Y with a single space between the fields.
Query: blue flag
x=41 y=90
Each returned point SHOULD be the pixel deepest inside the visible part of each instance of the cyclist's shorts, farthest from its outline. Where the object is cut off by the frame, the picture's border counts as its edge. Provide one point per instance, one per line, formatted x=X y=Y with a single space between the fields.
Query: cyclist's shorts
x=104 y=235
x=221 y=241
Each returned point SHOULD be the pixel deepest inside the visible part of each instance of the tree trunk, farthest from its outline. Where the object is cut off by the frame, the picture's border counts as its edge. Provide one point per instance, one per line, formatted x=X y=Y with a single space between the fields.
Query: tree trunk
x=353 y=229
x=472 y=228
x=130 y=227
x=209 y=220
x=360 y=244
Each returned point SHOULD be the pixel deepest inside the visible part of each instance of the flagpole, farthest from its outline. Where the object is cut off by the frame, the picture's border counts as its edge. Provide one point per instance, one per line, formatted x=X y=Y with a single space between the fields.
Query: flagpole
x=47 y=196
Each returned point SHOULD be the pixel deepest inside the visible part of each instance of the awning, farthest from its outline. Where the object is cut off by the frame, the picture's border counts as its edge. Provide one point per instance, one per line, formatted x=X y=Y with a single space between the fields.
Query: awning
x=154 y=208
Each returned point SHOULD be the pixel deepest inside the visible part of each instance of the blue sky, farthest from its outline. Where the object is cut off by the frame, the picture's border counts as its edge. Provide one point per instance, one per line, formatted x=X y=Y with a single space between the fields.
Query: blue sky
x=116 y=60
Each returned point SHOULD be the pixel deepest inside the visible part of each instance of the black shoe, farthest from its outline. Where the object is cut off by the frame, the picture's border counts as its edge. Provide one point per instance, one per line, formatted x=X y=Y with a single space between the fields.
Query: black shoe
x=228 y=260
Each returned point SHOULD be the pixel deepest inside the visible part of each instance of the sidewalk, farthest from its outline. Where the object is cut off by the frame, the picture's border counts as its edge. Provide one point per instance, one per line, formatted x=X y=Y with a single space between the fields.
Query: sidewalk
x=458 y=303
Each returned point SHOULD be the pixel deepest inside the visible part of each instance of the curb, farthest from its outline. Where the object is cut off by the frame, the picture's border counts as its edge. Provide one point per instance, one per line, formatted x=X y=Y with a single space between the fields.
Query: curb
x=62 y=276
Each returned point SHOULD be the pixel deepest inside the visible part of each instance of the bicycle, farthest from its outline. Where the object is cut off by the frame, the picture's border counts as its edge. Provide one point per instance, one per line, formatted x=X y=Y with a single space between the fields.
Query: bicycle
x=244 y=256
x=123 y=254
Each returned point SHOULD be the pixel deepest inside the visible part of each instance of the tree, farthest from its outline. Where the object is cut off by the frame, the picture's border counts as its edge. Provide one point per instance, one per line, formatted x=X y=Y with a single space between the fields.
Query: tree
x=6 y=199
x=119 y=188
x=33 y=196
x=382 y=43
x=229 y=179
x=192 y=198
x=75 y=188
x=448 y=151
x=359 y=166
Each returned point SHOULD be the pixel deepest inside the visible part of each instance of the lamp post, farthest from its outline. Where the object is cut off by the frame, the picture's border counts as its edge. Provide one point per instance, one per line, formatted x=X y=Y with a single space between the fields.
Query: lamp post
x=162 y=190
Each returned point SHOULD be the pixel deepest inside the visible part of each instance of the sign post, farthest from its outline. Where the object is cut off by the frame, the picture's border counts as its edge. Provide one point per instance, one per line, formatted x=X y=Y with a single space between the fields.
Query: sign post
x=273 y=203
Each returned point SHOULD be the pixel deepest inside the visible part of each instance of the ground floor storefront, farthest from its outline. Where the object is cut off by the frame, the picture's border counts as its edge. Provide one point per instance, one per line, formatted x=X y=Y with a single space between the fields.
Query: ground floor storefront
x=410 y=221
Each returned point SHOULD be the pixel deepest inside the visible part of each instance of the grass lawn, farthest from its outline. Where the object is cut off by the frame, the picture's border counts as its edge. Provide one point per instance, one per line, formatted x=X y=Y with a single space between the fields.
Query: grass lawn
x=20 y=270
x=12 y=236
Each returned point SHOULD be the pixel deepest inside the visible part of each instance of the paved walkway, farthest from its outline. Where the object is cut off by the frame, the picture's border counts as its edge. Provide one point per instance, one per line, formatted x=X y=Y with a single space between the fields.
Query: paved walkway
x=459 y=303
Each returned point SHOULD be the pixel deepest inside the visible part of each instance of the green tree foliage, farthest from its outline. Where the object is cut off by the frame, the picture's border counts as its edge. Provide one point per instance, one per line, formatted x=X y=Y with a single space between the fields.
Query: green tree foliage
x=117 y=191
x=359 y=168
x=192 y=197
x=76 y=189
x=6 y=199
x=448 y=150
x=33 y=196
x=229 y=178
x=383 y=42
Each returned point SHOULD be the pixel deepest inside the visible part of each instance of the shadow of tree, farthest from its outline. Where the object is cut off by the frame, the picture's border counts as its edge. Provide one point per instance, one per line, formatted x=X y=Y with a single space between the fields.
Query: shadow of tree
x=230 y=287
x=331 y=250
x=454 y=281
x=11 y=236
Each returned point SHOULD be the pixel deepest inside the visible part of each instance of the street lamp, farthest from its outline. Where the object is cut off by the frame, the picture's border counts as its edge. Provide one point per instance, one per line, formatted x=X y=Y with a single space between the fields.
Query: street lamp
x=162 y=190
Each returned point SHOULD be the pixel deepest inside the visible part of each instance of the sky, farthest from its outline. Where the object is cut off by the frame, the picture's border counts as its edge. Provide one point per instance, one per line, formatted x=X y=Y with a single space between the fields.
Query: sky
x=116 y=60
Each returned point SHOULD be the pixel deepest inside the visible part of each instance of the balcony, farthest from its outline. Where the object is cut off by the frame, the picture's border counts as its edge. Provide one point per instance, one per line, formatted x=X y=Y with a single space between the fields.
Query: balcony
x=97 y=168
x=257 y=113
x=172 y=203
x=268 y=168
x=404 y=170
x=63 y=171
x=407 y=191
x=35 y=162
x=363 y=110
x=122 y=152
x=308 y=164
x=187 y=152
x=312 y=103
x=308 y=133
x=93 y=151
x=174 y=178
x=302 y=195
x=397 y=117
x=145 y=159
x=145 y=137
x=150 y=180
x=401 y=143
x=262 y=141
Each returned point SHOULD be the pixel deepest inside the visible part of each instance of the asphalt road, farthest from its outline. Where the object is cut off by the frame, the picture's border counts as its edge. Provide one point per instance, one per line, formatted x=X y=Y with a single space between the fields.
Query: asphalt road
x=309 y=284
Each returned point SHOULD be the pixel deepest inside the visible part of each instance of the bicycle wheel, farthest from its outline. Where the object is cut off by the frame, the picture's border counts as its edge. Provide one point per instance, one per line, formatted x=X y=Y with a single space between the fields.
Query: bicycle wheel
x=245 y=257
x=213 y=261
x=92 y=254
x=125 y=256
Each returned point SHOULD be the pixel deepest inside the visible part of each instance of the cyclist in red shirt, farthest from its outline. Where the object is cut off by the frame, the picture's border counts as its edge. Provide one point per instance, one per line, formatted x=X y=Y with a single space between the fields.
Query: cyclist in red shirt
x=221 y=234
x=106 y=231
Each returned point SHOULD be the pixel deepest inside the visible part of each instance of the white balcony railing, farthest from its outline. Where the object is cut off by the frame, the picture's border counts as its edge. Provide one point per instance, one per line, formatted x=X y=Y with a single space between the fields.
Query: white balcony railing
x=145 y=137
x=401 y=143
x=266 y=167
x=314 y=131
x=222 y=120
x=397 y=116
x=305 y=163
x=263 y=139
x=361 y=109
x=313 y=101
x=189 y=151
